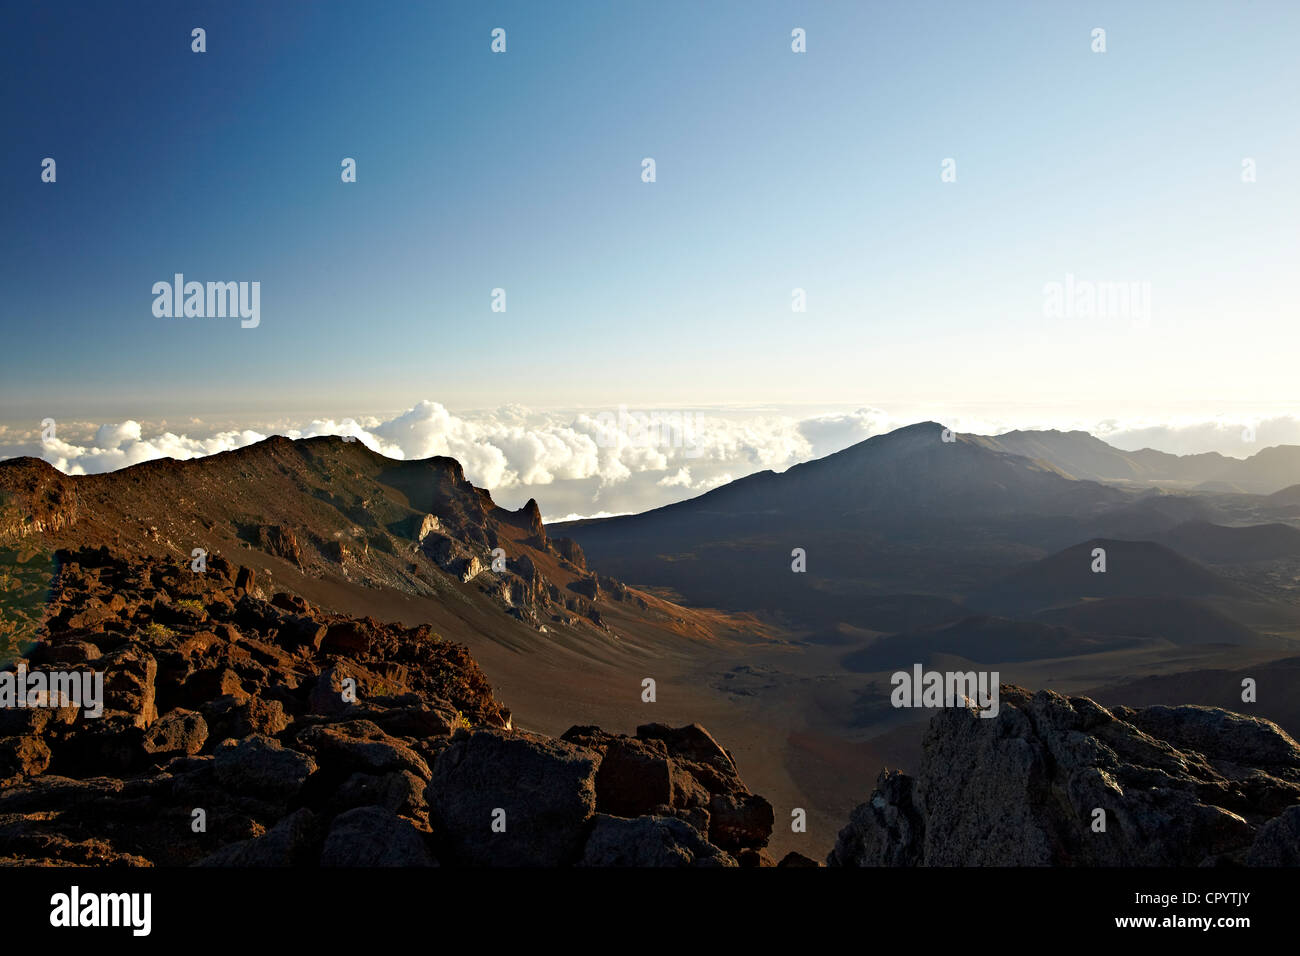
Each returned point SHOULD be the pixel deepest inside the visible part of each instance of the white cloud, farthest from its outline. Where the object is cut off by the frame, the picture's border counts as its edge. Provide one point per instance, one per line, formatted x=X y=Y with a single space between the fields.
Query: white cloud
x=574 y=516
x=1226 y=435
x=576 y=462
x=717 y=481
x=680 y=480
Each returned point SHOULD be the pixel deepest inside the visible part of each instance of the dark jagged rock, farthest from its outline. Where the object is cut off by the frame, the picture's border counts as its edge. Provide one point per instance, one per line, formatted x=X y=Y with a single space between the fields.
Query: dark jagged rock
x=529 y=519
x=262 y=766
x=887 y=830
x=740 y=822
x=587 y=586
x=374 y=836
x=541 y=790
x=289 y=843
x=180 y=732
x=1278 y=841
x=1178 y=786
x=649 y=841
x=279 y=541
x=571 y=551
x=793 y=859
x=678 y=771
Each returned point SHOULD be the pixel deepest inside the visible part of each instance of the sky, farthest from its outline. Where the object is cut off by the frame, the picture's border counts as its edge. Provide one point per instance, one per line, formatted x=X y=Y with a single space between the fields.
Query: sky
x=775 y=171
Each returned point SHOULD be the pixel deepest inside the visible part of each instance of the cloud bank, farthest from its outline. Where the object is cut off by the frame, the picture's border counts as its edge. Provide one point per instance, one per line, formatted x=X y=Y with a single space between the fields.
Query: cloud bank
x=588 y=463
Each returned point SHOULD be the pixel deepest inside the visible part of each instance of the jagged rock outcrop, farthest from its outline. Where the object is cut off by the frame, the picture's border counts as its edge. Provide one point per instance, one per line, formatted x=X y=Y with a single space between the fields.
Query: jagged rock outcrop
x=252 y=732
x=1175 y=786
x=279 y=541
x=588 y=587
x=36 y=499
x=571 y=551
x=1278 y=841
x=682 y=773
x=529 y=519
x=649 y=841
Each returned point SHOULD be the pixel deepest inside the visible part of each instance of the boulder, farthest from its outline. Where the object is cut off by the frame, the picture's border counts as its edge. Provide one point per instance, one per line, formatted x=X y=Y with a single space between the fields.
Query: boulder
x=374 y=836
x=23 y=757
x=798 y=860
x=347 y=637
x=649 y=841
x=262 y=766
x=739 y=821
x=887 y=830
x=289 y=843
x=400 y=791
x=635 y=776
x=241 y=716
x=1278 y=841
x=546 y=788
x=177 y=732
x=359 y=746
x=129 y=674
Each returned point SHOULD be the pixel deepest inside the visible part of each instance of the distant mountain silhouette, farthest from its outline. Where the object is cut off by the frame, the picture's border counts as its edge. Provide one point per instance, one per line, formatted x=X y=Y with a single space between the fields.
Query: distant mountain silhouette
x=906 y=511
x=1218 y=544
x=908 y=472
x=1156 y=512
x=980 y=639
x=1080 y=455
x=1284 y=503
x=922 y=511
x=1133 y=569
x=1179 y=620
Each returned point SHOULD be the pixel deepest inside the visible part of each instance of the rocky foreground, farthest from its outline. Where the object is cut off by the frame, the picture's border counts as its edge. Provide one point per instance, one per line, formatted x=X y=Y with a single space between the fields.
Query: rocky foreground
x=239 y=730
x=242 y=730
x=1179 y=786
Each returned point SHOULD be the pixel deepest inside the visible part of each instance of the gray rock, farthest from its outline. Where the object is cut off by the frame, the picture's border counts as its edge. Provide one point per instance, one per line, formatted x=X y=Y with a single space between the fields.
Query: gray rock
x=545 y=786
x=692 y=742
x=1179 y=786
x=262 y=766
x=360 y=746
x=288 y=843
x=1278 y=842
x=887 y=830
x=400 y=791
x=649 y=841
x=1218 y=734
x=374 y=836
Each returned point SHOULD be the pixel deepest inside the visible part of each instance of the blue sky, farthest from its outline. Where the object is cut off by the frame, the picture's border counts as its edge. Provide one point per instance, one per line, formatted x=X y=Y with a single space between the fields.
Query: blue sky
x=522 y=171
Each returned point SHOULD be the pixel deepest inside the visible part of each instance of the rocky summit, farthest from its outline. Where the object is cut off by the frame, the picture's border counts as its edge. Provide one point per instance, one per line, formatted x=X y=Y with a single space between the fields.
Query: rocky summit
x=1063 y=781
x=245 y=729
